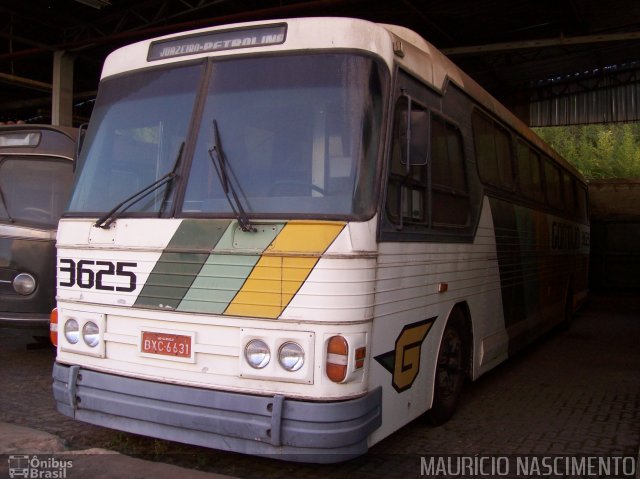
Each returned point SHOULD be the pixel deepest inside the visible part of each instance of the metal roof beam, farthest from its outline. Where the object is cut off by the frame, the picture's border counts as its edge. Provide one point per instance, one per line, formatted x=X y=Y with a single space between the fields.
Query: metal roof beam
x=542 y=43
x=25 y=82
x=268 y=12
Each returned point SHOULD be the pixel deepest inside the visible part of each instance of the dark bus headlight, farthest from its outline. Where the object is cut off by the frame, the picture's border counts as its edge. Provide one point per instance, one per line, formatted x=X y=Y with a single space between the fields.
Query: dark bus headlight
x=24 y=284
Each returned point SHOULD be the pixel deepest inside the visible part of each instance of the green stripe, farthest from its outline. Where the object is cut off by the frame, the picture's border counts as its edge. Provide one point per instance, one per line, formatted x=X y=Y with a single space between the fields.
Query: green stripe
x=180 y=263
x=227 y=268
x=198 y=235
x=218 y=282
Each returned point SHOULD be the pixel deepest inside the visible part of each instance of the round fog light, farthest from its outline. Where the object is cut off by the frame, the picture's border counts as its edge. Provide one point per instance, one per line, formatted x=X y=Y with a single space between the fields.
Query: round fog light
x=291 y=356
x=72 y=331
x=91 y=334
x=24 y=283
x=257 y=353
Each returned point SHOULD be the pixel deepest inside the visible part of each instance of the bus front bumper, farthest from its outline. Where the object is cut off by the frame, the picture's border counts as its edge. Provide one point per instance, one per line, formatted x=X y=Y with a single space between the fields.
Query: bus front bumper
x=272 y=426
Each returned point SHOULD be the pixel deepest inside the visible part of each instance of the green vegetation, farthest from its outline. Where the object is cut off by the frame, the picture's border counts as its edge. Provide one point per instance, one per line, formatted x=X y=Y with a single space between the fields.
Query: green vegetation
x=598 y=151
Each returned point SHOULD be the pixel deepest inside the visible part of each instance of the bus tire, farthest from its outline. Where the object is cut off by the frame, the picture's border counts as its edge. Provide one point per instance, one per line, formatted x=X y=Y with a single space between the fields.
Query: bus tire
x=450 y=370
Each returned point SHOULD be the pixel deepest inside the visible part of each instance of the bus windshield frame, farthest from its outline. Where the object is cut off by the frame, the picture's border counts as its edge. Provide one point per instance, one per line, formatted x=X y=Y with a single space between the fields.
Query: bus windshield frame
x=300 y=136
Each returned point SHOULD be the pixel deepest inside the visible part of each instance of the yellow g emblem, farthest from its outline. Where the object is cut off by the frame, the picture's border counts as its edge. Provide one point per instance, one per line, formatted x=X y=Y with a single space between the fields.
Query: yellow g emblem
x=404 y=361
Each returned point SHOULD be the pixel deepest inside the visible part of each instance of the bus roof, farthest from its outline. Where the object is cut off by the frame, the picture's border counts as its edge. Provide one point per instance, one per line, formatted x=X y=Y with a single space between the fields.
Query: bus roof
x=297 y=34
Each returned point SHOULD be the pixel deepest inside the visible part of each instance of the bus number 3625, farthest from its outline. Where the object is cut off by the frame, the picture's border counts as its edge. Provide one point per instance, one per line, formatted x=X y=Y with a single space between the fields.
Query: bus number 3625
x=84 y=274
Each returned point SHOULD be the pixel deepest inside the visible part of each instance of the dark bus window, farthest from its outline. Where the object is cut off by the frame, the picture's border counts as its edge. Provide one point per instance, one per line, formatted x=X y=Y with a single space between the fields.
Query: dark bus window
x=536 y=176
x=449 y=184
x=582 y=200
x=493 y=152
x=407 y=188
x=553 y=184
x=569 y=193
x=503 y=158
x=529 y=172
x=485 y=149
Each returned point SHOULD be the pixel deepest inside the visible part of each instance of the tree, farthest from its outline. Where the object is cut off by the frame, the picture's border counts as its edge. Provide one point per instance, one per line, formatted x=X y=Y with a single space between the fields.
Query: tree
x=598 y=151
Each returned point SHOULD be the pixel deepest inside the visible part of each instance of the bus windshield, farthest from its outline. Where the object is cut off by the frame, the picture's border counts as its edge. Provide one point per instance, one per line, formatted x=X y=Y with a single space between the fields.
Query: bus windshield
x=137 y=128
x=34 y=190
x=295 y=135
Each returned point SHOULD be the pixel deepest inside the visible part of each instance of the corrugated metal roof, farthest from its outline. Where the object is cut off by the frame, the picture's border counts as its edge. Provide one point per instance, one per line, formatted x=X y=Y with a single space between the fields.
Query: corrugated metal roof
x=608 y=96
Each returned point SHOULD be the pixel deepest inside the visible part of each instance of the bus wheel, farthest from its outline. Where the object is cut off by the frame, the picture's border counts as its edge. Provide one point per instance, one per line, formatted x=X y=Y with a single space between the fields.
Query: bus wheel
x=450 y=371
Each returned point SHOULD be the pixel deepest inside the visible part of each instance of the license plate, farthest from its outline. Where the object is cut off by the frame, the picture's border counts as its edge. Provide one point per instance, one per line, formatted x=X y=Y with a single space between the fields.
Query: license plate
x=166 y=344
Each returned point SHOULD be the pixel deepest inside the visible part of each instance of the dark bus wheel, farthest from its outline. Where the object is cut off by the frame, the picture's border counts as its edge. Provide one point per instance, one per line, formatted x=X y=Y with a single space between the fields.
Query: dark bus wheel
x=450 y=371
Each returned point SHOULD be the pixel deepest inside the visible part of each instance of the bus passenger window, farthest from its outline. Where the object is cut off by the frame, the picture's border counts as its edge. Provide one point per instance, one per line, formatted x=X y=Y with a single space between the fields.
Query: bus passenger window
x=582 y=199
x=493 y=152
x=449 y=184
x=524 y=169
x=485 y=148
x=503 y=158
x=536 y=177
x=553 y=184
x=529 y=172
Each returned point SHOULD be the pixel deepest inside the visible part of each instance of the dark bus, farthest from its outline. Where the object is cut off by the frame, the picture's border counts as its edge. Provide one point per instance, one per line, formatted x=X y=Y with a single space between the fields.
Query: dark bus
x=36 y=172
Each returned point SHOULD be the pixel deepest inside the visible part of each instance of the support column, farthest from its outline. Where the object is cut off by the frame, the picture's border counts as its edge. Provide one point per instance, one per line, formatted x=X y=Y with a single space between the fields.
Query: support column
x=62 y=94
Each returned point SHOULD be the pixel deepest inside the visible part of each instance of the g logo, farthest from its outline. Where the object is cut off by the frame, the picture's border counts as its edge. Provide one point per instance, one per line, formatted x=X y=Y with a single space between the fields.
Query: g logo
x=404 y=361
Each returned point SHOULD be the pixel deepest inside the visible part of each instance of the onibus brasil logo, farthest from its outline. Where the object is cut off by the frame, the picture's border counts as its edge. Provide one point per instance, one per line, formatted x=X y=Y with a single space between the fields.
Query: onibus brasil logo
x=38 y=468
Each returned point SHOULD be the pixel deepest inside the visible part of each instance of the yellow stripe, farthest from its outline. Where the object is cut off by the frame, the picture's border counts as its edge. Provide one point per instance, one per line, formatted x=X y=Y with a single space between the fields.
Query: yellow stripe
x=283 y=267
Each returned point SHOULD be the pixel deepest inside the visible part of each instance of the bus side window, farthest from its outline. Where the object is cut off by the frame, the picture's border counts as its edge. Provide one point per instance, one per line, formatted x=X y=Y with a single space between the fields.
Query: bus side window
x=536 y=176
x=583 y=202
x=407 y=188
x=569 y=193
x=530 y=179
x=553 y=184
x=449 y=193
x=493 y=152
x=503 y=158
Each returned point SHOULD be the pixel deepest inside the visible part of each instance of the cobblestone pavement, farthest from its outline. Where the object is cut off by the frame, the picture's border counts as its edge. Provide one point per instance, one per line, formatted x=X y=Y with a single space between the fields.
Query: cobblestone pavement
x=572 y=392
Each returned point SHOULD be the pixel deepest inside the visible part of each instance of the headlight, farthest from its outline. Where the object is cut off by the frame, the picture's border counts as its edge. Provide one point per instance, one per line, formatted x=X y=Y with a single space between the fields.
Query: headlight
x=291 y=356
x=24 y=283
x=72 y=331
x=257 y=354
x=91 y=334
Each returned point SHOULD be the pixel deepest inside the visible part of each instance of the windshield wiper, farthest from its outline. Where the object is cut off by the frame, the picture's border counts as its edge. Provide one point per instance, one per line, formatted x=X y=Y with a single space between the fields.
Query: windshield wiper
x=106 y=220
x=220 y=164
x=6 y=208
x=174 y=174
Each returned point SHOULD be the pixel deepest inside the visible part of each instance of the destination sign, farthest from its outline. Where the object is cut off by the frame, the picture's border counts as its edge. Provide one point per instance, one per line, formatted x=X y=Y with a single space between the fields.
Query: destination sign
x=217 y=41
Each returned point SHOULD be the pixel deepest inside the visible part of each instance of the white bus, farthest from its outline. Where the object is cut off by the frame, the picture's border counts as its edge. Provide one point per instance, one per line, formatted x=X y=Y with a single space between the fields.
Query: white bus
x=291 y=238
